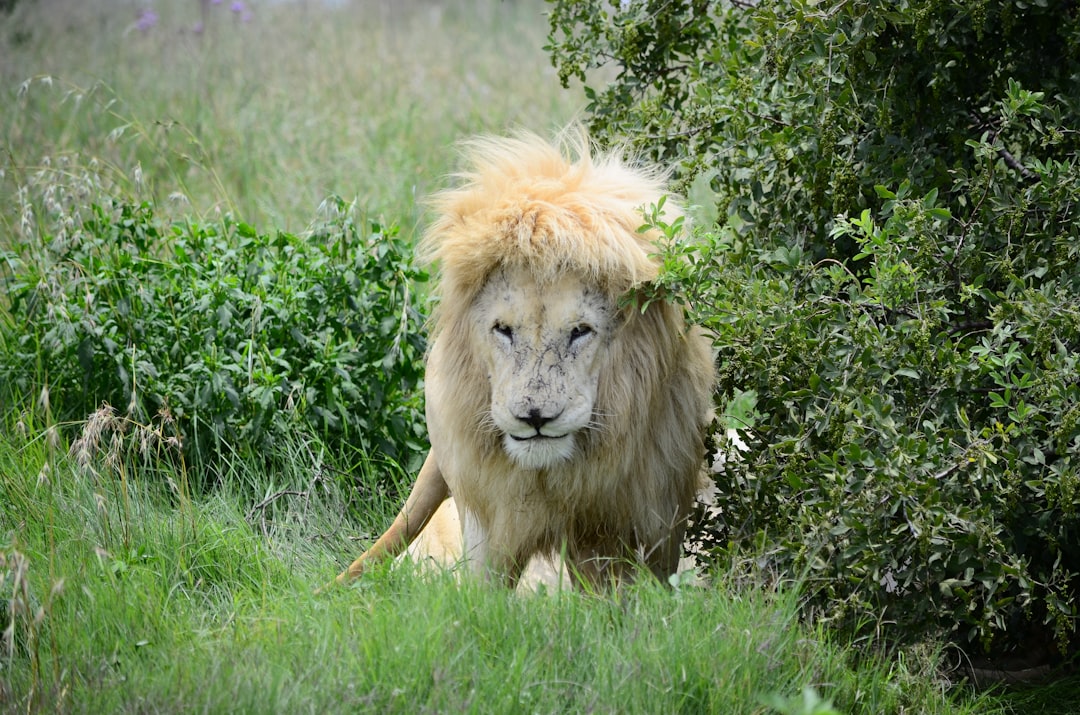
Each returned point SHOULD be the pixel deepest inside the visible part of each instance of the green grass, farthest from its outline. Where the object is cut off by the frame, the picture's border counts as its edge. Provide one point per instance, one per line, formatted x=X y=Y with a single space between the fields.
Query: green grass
x=267 y=117
x=1058 y=697
x=150 y=602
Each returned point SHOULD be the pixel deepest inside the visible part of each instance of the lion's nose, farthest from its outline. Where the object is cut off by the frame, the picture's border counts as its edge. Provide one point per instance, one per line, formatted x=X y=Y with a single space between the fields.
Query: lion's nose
x=536 y=419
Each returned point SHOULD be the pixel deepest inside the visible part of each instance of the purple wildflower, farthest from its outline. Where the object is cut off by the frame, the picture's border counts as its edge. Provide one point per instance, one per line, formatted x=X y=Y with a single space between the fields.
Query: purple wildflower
x=147 y=19
x=237 y=7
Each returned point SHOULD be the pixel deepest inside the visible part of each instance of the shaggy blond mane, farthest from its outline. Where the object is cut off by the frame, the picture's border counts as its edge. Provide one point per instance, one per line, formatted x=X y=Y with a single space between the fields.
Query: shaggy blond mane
x=526 y=203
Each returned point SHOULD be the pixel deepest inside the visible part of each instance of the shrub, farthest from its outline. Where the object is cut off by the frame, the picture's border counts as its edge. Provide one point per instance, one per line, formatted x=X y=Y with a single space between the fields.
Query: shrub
x=793 y=111
x=238 y=335
x=893 y=281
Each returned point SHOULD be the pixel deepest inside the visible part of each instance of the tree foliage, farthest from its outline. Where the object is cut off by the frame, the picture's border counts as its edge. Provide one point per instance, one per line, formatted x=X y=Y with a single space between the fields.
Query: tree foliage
x=888 y=255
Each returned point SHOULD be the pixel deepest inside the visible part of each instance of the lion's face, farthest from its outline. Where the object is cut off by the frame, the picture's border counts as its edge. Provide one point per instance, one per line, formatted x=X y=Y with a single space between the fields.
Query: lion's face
x=541 y=345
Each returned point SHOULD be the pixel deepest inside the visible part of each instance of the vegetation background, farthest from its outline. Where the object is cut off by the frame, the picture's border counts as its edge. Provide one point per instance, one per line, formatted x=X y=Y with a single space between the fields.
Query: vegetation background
x=210 y=352
x=888 y=257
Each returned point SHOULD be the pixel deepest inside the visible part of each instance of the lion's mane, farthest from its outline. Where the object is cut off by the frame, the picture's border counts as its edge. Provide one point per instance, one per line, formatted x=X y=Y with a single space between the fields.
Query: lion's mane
x=630 y=487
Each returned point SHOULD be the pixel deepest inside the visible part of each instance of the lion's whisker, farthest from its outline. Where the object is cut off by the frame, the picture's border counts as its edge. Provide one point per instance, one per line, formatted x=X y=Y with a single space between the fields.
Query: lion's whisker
x=485 y=423
x=600 y=427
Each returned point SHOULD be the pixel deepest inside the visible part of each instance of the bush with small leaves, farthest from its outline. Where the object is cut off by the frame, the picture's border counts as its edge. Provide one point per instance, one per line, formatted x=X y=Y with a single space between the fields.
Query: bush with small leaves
x=888 y=254
x=238 y=335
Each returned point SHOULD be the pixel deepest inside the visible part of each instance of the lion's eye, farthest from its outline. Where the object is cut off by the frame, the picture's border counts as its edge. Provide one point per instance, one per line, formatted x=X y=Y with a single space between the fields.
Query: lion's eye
x=504 y=330
x=579 y=332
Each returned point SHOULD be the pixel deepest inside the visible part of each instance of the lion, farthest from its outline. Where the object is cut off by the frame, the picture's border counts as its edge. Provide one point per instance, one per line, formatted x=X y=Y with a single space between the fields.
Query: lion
x=565 y=416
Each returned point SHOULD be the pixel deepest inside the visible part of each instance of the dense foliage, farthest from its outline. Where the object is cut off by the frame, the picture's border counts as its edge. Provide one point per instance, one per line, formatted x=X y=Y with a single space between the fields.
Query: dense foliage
x=238 y=336
x=893 y=280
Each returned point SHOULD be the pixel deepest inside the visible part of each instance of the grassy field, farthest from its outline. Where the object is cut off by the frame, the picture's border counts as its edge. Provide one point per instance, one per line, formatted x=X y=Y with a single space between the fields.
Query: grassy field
x=123 y=594
x=266 y=114
x=122 y=589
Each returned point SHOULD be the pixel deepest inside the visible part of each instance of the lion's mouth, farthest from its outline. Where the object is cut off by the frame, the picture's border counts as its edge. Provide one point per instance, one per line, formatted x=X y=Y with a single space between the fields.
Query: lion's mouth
x=536 y=436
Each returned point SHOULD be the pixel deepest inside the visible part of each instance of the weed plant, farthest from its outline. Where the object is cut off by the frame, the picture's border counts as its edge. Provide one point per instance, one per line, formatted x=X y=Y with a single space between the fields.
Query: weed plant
x=232 y=336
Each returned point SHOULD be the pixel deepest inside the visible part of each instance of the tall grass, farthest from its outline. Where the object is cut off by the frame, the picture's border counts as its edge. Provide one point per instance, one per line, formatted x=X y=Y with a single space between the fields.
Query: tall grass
x=266 y=116
x=118 y=598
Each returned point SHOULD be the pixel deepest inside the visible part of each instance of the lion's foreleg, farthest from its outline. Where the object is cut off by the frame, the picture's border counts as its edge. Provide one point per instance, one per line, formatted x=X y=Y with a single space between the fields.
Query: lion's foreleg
x=427 y=494
x=483 y=558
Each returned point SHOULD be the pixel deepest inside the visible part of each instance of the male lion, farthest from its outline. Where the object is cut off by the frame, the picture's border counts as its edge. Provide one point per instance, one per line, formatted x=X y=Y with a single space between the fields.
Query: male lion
x=564 y=418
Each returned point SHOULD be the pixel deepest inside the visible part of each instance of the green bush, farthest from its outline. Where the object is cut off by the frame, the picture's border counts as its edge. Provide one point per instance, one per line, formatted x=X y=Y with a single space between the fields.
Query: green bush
x=794 y=110
x=894 y=284
x=237 y=335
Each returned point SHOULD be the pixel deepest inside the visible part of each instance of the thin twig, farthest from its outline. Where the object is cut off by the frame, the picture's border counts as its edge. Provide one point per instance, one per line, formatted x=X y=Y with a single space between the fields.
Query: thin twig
x=274 y=497
x=1013 y=164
